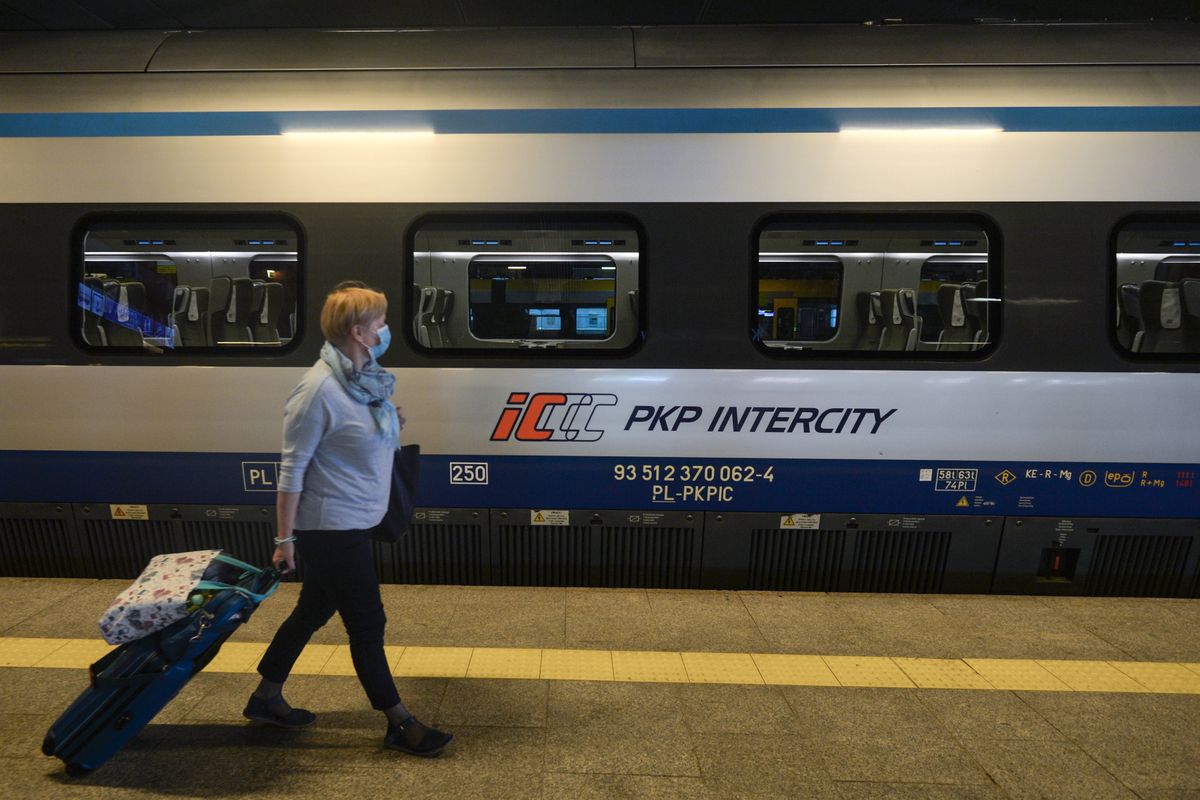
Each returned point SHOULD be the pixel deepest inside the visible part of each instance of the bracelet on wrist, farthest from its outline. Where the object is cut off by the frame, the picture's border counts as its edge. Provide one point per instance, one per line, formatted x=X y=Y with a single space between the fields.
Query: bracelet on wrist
x=286 y=540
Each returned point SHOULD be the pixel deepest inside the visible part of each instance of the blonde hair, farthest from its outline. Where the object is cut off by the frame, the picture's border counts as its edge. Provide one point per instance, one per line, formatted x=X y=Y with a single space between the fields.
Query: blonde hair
x=350 y=303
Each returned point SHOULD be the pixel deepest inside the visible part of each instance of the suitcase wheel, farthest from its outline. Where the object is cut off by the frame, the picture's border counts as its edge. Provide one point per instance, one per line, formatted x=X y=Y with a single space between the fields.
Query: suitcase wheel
x=78 y=770
x=48 y=744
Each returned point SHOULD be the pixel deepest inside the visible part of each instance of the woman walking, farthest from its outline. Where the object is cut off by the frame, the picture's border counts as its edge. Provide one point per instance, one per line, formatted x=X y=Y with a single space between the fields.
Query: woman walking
x=340 y=430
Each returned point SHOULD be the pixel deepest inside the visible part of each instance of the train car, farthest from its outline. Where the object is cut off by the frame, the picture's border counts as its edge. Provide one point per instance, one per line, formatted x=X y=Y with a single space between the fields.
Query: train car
x=880 y=308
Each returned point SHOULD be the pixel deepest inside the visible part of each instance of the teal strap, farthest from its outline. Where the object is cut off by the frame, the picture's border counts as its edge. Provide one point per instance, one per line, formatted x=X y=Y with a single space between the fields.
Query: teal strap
x=217 y=586
x=228 y=559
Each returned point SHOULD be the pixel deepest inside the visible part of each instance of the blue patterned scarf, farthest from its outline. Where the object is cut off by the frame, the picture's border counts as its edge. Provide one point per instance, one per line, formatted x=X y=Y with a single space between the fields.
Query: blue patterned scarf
x=372 y=387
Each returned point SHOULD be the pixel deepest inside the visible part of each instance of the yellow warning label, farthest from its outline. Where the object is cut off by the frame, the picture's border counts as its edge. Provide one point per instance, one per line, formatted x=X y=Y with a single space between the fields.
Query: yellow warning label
x=800 y=522
x=963 y=502
x=136 y=512
x=550 y=517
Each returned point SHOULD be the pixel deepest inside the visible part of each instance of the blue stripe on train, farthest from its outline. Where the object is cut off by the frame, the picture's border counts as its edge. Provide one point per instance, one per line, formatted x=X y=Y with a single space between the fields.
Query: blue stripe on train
x=776 y=485
x=1023 y=119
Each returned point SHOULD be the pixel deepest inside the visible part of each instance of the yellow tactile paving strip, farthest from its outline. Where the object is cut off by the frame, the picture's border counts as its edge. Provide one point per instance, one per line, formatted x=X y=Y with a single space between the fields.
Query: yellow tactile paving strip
x=634 y=666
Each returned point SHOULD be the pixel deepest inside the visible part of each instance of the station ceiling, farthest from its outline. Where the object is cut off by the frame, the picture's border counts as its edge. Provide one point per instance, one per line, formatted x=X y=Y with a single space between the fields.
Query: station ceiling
x=94 y=15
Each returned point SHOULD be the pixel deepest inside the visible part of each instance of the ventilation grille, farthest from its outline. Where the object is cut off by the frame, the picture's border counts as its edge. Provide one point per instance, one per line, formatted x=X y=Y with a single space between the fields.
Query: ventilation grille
x=542 y=555
x=1138 y=566
x=647 y=557
x=805 y=561
x=121 y=549
x=899 y=561
x=435 y=554
x=39 y=548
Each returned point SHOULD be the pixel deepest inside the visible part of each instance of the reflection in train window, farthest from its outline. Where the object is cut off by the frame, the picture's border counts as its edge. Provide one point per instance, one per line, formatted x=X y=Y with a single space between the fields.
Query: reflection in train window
x=542 y=298
x=884 y=286
x=190 y=285
x=798 y=298
x=511 y=285
x=1158 y=288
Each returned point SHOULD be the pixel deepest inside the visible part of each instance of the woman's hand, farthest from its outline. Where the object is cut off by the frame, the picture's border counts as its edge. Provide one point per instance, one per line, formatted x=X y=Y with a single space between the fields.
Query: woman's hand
x=400 y=417
x=284 y=559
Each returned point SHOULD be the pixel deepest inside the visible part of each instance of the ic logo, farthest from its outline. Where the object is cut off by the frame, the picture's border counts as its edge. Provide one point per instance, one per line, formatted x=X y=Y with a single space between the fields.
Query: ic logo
x=550 y=417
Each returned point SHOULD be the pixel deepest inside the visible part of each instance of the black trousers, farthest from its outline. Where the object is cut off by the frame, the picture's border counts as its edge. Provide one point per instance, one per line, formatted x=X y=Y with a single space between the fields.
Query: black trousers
x=339 y=575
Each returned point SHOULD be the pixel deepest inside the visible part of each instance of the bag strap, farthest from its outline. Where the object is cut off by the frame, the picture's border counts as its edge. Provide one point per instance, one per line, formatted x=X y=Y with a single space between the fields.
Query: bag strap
x=217 y=586
x=225 y=558
x=248 y=569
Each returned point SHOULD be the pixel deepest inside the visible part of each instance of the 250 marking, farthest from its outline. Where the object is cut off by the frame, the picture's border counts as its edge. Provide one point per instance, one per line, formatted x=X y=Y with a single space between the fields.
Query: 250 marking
x=469 y=472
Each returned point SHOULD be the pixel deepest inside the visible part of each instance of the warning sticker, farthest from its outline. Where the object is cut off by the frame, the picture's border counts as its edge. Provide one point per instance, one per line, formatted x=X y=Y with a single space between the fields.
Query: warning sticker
x=800 y=522
x=129 y=512
x=558 y=516
x=962 y=502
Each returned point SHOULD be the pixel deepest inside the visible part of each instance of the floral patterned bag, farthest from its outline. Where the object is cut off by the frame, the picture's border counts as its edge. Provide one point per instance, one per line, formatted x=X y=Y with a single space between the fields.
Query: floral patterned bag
x=157 y=598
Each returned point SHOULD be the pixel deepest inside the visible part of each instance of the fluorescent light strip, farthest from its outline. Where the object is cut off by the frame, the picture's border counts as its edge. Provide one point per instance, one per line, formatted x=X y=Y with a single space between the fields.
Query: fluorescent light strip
x=946 y=131
x=414 y=133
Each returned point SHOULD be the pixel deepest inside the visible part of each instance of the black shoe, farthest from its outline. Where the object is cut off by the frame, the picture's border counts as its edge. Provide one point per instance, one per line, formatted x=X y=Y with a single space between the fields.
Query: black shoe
x=261 y=710
x=416 y=738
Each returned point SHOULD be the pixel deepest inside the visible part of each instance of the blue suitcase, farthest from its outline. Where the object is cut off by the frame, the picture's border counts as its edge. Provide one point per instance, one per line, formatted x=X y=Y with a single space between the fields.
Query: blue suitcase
x=131 y=684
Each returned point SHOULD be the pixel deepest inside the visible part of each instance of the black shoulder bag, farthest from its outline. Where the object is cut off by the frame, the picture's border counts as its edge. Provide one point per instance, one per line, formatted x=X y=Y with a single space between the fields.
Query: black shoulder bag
x=406 y=470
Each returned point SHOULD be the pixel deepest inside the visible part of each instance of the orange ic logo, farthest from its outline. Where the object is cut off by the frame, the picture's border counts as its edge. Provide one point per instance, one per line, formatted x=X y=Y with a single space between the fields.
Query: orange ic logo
x=550 y=417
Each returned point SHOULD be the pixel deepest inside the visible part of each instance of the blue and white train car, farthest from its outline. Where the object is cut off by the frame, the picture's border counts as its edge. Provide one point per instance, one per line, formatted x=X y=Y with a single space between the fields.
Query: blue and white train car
x=869 y=309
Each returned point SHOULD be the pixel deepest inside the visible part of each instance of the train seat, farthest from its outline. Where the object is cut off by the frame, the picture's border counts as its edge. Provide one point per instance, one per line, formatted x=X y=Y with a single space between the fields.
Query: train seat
x=974 y=311
x=957 y=333
x=257 y=294
x=890 y=337
x=1162 y=317
x=287 y=314
x=982 y=314
x=219 y=290
x=1189 y=294
x=229 y=313
x=901 y=324
x=93 y=324
x=870 y=321
x=441 y=315
x=421 y=319
x=266 y=311
x=239 y=308
x=906 y=303
x=432 y=313
x=1129 y=324
x=190 y=315
x=179 y=304
x=124 y=297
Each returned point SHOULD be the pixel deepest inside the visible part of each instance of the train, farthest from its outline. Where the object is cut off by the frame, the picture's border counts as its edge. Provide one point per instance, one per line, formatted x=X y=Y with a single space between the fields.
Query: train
x=793 y=308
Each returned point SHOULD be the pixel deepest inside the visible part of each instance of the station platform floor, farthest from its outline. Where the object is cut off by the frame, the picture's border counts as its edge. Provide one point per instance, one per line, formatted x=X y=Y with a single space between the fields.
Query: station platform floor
x=613 y=693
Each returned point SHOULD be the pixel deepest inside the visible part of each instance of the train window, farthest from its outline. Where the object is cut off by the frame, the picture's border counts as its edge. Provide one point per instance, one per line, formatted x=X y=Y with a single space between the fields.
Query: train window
x=874 y=286
x=1157 y=284
x=189 y=286
x=511 y=285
